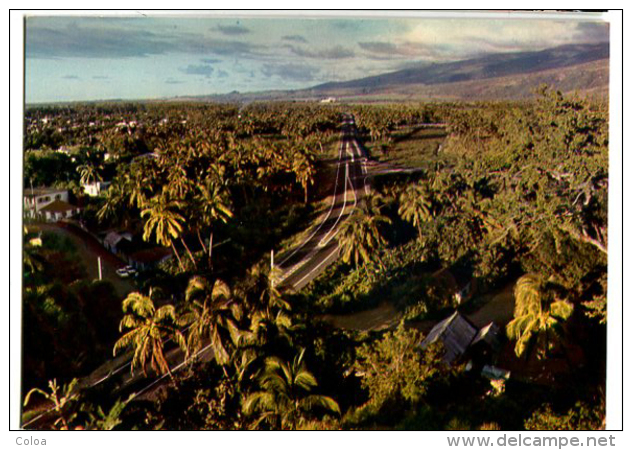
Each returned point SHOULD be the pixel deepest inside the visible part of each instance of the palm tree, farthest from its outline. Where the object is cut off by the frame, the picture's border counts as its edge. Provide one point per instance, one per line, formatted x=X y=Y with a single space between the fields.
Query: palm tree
x=89 y=173
x=303 y=168
x=537 y=313
x=213 y=205
x=211 y=313
x=415 y=205
x=61 y=397
x=359 y=236
x=164 y=222
x=284 y=401
x=148 y=328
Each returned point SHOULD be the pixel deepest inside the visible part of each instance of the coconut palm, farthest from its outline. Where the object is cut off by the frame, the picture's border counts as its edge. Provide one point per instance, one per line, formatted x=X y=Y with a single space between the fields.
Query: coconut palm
x=89 y=173
x=213 y=205
x=359 y=236
x=415 y=205
x=211 y=313
x=537 y=313
x=163 y=222
x=284 y=401
x=148 y=328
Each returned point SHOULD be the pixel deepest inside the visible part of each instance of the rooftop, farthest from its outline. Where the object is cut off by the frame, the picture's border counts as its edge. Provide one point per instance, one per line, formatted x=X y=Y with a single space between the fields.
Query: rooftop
x=36 y=192
x=59 y=206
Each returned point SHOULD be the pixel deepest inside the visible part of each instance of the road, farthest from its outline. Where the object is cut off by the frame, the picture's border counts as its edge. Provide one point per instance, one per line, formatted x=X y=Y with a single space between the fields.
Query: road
x=311 y=257
x=298 y=267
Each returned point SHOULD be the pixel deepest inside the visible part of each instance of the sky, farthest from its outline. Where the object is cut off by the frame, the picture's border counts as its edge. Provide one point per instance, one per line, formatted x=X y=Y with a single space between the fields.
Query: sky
x=76 y=58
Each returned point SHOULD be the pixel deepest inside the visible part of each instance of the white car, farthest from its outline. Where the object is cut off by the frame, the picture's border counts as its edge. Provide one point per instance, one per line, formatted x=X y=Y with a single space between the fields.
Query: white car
x=126 y=271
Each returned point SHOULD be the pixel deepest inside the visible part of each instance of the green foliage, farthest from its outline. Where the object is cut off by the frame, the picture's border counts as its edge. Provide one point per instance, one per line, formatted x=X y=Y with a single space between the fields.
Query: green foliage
x=284 y=401
x=537 y=312
x=394 y=368
x=148 y=328
x=582 y=416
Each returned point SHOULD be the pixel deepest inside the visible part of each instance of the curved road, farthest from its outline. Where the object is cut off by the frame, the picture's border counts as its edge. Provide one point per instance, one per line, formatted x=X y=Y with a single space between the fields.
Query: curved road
x=312 y=256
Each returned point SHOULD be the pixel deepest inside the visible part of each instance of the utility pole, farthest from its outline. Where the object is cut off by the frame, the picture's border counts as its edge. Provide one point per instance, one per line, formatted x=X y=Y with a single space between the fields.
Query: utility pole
x=272 y=267
x=100 y=271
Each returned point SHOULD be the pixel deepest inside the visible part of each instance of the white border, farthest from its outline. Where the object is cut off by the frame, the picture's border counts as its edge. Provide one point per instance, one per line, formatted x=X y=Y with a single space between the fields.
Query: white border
x=374 y=439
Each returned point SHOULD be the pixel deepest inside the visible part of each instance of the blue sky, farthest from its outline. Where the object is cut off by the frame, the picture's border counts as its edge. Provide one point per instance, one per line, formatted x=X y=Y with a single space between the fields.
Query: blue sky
x=143 y=57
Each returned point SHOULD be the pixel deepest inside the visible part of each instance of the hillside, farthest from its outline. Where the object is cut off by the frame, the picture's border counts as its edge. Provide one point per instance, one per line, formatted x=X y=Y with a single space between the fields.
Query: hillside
x=484 y=67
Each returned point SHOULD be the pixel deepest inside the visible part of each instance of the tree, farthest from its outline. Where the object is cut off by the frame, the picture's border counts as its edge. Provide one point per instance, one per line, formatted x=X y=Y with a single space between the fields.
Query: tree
x=213 y=205
x=415 y=205
x=61 y=397
x=395 y=367
x=538 y=312
x=148 y=328
x=359 y=236
x=211 y=313
x=284 y=401
x=89 y=173
x=164 y=222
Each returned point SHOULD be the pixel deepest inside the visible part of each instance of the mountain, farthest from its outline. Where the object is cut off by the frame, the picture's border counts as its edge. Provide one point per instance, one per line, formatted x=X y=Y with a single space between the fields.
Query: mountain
x=484 y=67
x=568 y=68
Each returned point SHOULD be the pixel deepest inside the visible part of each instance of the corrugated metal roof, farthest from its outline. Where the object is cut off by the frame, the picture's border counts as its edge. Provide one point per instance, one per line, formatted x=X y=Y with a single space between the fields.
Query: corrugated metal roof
x=455 y=332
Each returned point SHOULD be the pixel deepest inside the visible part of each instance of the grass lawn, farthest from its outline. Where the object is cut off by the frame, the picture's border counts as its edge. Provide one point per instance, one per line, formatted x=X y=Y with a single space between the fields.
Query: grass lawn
x=414 y=147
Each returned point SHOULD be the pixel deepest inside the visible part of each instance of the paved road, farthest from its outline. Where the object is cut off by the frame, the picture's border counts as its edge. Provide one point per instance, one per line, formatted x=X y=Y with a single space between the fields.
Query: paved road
x=311 y=257
x=298 y=267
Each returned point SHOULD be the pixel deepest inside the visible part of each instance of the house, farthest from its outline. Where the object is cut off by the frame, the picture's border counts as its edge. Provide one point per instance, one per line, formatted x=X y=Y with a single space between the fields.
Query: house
x=462 y=339
x=147 y=258
x=95 y=188
x=329 y=100
x=58 y=210
x=113 y=239
x=455 y=332
x=38 y=198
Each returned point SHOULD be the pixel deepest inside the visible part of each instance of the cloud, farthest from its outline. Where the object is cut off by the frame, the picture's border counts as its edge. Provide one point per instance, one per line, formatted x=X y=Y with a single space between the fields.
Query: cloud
x=173 y=81
x=336 y=52
x=222 y=74
x=378 y=47
x=100 y=77
x=107 y=39
x=210 y=61
x=197 y=44
x=290 y=72
x=70 y=77
x=232 y=30
x=79 y=41
x=203 y=70
x=295 y=38
x=593 y=31
x=389 y=50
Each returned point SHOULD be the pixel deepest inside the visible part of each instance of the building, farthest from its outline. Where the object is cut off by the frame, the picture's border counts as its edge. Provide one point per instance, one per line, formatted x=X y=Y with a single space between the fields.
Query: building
x=58 y=210
x=463 y=340
x=95 y=188
x=38 y=198
x=113 y=241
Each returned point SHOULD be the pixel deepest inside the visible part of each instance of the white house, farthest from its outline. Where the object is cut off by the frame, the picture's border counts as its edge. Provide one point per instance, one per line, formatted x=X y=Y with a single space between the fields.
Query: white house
x=58 y=210
x=95 y=188
x=36 y=199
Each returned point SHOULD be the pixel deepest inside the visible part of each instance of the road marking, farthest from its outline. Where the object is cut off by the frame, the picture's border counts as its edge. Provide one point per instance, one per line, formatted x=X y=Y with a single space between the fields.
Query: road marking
x=333 y=202
x=342 y=210
x=318 y=266
x=355 y=203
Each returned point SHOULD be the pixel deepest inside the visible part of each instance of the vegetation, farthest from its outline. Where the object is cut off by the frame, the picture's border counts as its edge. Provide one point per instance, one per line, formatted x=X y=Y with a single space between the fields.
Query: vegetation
x=510 y=197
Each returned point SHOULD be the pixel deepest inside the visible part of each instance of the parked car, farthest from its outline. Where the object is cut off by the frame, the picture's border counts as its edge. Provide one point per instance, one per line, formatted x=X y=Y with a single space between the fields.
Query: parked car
x=126 y=271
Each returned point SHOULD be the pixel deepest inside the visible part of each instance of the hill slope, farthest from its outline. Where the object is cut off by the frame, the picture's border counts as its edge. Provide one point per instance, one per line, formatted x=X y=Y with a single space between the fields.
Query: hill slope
x=484 y=67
